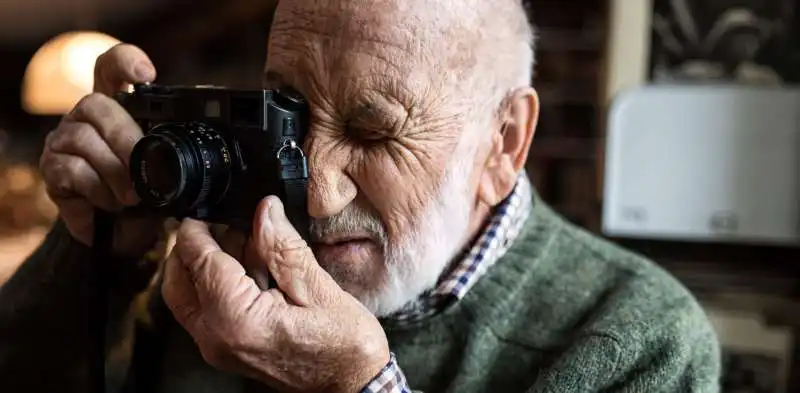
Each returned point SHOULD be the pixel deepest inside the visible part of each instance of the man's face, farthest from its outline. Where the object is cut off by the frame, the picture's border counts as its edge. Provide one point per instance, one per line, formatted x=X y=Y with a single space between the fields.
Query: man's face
x=392 y=185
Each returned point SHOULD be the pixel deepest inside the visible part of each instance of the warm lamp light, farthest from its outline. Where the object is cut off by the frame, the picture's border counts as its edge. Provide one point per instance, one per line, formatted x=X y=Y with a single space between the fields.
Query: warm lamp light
x=61 y=72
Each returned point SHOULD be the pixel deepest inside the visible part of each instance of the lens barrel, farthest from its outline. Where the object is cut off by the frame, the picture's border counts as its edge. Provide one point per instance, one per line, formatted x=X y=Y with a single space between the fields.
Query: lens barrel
x=180 y=167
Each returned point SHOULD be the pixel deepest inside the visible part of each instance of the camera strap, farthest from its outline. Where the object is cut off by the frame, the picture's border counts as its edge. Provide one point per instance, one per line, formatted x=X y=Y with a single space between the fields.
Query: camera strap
x=102 y=244
x=296 y=205
x=293 y=172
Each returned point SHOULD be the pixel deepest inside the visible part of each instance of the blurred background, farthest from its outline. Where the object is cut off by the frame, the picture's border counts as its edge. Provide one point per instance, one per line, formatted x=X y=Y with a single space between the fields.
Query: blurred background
x=669 y=126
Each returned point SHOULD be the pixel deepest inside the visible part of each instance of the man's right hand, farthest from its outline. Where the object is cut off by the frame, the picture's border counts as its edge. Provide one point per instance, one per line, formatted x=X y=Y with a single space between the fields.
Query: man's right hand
x=85 y=160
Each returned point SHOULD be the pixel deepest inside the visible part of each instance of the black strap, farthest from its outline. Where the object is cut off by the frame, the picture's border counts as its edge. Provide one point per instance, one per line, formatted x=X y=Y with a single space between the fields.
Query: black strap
x=296 y=203
x=149 y=347
x=102 y=244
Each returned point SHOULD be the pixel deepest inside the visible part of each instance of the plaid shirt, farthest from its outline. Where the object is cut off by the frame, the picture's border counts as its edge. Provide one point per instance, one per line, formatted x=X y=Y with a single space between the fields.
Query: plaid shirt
x=499 y=234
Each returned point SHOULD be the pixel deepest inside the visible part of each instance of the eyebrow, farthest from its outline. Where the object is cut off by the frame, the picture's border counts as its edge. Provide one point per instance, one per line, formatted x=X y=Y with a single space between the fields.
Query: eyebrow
x=358 y=112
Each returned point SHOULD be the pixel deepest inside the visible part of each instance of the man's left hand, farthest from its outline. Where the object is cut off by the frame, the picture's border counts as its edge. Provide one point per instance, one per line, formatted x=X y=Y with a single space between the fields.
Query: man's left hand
x=307 y=335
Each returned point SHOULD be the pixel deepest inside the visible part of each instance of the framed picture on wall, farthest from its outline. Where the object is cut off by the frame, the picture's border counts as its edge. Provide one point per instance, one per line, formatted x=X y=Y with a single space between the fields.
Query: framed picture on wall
x=732 y=41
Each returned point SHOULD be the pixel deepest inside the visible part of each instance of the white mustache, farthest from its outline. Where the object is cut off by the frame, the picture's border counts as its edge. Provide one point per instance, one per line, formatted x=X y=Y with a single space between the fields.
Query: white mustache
x=354 y=219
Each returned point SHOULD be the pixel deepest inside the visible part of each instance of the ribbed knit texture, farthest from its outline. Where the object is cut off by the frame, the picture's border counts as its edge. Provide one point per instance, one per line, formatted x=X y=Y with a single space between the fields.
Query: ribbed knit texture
x=564 y=311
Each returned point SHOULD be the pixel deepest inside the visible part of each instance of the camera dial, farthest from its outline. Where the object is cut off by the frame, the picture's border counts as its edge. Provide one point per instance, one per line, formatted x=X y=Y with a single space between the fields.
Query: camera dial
x=180 y=166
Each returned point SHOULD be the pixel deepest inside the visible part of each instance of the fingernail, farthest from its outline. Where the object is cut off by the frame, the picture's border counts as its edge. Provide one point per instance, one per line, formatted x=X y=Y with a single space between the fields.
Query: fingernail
x=144 y=71
x=276 y=212
x=266 y=222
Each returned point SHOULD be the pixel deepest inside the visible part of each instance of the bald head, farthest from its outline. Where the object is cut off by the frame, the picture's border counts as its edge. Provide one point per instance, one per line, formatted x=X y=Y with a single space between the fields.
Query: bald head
x=470 y=49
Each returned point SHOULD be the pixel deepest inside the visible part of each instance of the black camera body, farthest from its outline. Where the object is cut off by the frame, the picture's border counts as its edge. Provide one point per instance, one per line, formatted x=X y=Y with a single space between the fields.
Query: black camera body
x=213 y=154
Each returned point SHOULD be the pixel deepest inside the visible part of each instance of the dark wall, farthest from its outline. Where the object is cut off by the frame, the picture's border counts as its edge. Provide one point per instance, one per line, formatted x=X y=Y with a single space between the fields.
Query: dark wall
x=211 y=42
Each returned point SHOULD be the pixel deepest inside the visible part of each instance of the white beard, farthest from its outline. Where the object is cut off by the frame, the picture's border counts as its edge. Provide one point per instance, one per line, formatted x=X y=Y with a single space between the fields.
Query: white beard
x=416 y=263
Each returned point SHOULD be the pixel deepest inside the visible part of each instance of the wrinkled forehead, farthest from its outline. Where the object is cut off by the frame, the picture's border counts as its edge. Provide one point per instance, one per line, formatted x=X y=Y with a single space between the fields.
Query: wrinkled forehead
x=390 y=20
x=342 y=41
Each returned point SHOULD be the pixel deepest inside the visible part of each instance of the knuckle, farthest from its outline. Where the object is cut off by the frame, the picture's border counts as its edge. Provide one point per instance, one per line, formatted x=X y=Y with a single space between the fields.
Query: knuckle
x=231 y=337
x=44 y=160
x=293 y=252
x=118 y=58
x=210 y=354
x=48 y=139
x=285 y=327
x=182 y=311
x=185 y=241
x=82 y=135
x=60 y=175
x=88 y=101
x=103 y=59
x=370 y=349
x=71 y=169
x=109 y=57
x=215 y=353
x=233 y=344
x=47 y=150
x=121 y=49
x=290 y=244
x=104 y=112
x=89 y=107
x=54 y=138
x=74 y=139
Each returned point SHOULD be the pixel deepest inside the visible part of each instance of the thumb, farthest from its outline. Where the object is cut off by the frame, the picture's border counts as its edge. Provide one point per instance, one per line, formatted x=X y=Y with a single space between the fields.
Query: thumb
x=289 y=258
x=121 y=65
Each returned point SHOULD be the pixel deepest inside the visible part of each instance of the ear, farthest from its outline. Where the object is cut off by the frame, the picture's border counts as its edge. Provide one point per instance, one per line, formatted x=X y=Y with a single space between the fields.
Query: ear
x=510 y=144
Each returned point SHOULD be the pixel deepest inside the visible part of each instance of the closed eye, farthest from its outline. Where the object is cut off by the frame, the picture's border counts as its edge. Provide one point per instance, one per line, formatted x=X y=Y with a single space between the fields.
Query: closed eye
x=364 y=134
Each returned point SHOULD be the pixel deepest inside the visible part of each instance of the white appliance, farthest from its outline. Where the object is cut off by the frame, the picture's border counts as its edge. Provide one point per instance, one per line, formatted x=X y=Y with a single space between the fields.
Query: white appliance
x=704 y=163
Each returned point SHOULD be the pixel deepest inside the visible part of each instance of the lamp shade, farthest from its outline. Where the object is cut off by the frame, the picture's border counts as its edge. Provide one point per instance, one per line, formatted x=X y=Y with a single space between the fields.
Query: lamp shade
x=61 y=72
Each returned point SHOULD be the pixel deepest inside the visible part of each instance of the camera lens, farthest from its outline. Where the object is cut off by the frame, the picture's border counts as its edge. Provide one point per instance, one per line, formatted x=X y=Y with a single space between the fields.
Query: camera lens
x=179 y=167
x=162 y=165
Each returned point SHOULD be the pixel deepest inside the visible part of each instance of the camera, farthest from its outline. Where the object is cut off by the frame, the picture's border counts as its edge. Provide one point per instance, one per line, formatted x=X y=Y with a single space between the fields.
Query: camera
x=212 y=153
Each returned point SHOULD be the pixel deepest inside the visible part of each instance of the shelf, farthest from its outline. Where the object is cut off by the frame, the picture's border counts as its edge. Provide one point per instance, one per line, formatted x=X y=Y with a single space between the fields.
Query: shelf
x=564 y=148
x=566 y=40
x=733 y=254
x=565 y=153
x=552 y=93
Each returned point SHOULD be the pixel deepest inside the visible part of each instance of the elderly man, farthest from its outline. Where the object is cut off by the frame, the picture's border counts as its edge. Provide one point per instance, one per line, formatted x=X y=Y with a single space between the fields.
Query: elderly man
x=434 y=267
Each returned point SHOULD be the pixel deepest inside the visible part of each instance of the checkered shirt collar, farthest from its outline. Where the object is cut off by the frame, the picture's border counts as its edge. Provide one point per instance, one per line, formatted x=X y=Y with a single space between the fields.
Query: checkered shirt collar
x=499 y=233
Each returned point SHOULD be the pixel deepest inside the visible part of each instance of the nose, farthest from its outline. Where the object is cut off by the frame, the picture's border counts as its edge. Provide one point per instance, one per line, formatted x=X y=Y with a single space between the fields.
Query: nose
x=330 y=189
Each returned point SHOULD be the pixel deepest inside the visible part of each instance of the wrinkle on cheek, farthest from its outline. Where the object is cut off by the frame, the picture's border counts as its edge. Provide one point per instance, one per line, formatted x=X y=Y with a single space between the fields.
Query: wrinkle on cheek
x=328 y=158
x=400 y=178
x=425 y=174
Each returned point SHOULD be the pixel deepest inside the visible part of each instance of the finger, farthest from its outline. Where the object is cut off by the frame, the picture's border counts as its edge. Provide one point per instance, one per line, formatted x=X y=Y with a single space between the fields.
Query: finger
x=234 y=243
x=221 y=282
x=256 y=267
x=291 y=262
x=69 y=176
x=231 y=242
x=78 y=216
x=111 y=121
x=82 y=140
x=180 y=295
x=121 y=65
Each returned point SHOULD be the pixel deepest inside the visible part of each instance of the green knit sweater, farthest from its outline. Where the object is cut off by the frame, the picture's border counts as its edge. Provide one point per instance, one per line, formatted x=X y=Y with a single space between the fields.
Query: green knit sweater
x=562 y=311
